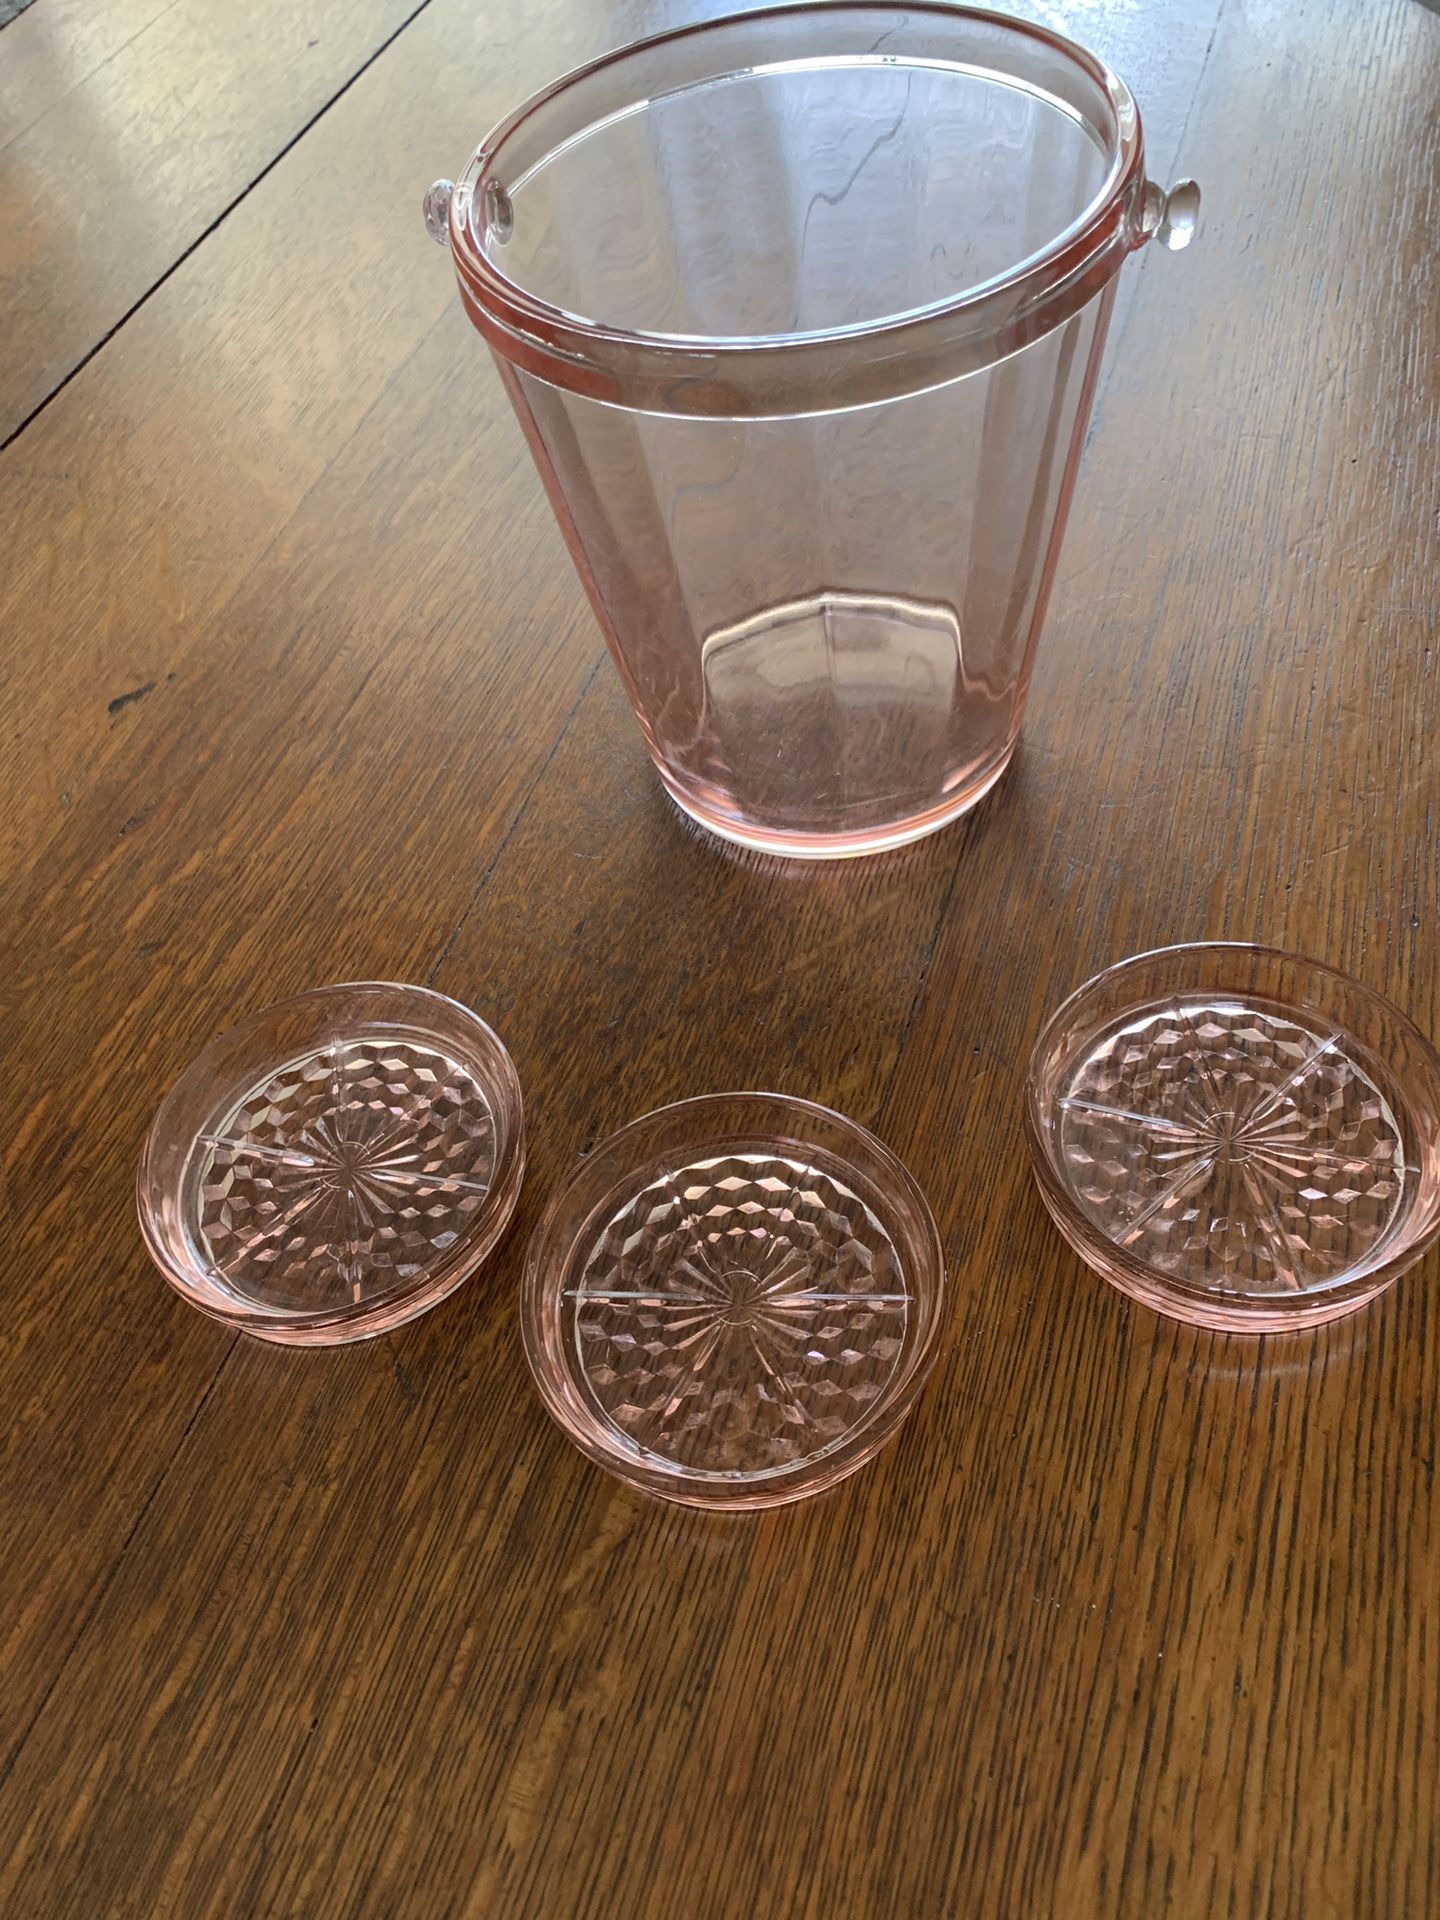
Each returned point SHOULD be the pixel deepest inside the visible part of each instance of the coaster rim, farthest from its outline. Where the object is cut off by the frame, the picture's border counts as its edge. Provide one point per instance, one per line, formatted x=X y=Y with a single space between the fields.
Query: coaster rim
x=1166 y=1293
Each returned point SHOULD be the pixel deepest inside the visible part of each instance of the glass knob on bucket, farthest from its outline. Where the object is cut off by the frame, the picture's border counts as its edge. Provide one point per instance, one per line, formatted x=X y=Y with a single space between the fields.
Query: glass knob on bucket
x=801 y=313
x=1172 y=218
x=436 y=208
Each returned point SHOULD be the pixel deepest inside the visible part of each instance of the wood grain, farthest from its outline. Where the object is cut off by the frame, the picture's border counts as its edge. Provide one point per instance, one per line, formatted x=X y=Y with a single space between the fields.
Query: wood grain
x=113 y=165
x=178 y=849
x=1131 y=1619
x=57 y=50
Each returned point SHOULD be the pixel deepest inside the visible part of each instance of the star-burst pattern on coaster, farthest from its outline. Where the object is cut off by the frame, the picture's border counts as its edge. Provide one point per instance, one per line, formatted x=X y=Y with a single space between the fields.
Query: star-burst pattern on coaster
x=1227 y=1143
x=352 y=1170
x=739 y=1315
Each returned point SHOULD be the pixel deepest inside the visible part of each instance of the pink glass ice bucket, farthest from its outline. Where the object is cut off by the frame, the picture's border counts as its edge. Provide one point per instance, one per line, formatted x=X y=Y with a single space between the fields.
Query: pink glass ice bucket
x=801 y=313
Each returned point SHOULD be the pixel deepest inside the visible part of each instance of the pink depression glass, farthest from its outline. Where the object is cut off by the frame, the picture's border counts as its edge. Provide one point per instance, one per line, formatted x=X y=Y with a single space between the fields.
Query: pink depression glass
x=1237 y=1137
x=801 y=313
x=733 y=1302
x=335 y=1164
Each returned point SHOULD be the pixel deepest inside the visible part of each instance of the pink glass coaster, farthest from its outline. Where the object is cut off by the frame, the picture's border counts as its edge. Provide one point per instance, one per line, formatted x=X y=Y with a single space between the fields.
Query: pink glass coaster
x=1237 y=1137
x=733 y=1302
x=334 y=1165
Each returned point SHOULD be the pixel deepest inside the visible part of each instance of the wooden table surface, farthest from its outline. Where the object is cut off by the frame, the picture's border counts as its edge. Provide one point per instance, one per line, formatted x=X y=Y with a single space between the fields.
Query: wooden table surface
x=300 y=686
